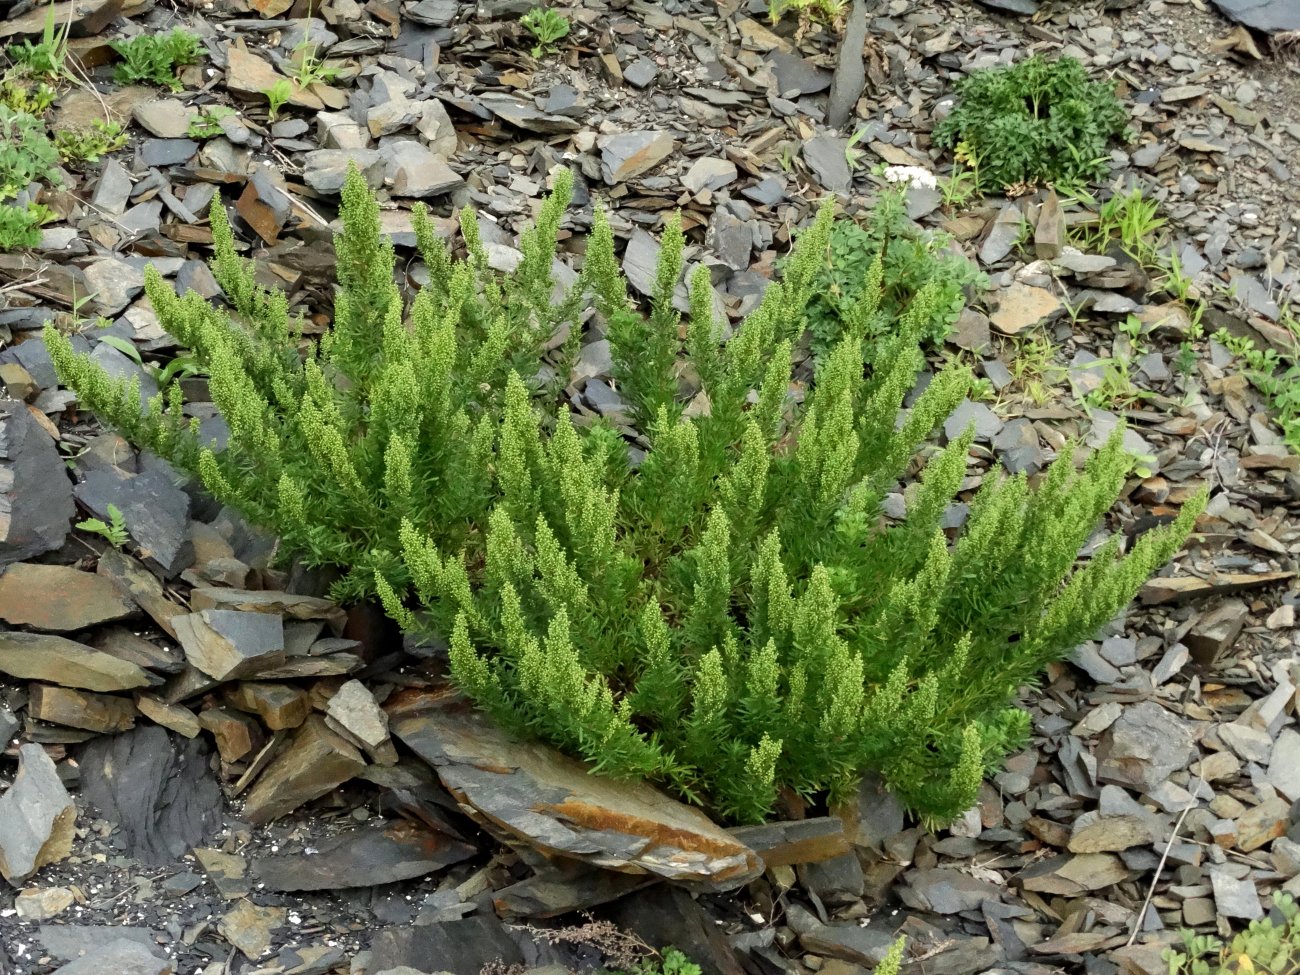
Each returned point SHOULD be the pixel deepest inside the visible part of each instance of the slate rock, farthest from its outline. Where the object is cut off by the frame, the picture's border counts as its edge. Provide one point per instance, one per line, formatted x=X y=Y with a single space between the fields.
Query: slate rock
x=946 y=891
x=1284 y=764
x=850 y=77
x=526 y=115
x=1235 y=896
x=41 y=904
x=969 y=413
x=324 y=170
x=85 y=18
x=143 y=587
x=121 y=957
x=155 y=510
x=36 y=506
x=463 y=947
x=249 y=927
x=227 y=644
x=115 y=283
x=60 y=598
x=415 y=171
x=534 y=795
x=1269 y=16
x=354 y=713
x=709 y=173
x=641 y=73
x=159 y=790
x=797 y=76
x=1023 y=306
x=1144 y=747
x=363 y=857
x=36 y=817
x=314 y=762
x=669 y=915
x=55 y=660
x=849 y=942
x=824 y=154
x=68 y=942
x=71 y=708
x=1003 y=235
x=627 y=155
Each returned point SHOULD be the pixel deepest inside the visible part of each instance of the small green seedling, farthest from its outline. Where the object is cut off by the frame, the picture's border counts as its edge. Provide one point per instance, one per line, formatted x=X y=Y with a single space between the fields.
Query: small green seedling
x=277 y=96
x=154 y=58
x=547 y=26
x=20 y=227
x=115 y=530
x=47 y=58
x=208 y=123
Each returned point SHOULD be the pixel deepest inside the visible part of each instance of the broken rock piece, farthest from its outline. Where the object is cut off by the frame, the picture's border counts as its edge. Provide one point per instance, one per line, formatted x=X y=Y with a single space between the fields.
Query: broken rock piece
x=36 y=505
x=353 y=713
x=226 y=644
x=532 y=793
x=36 y=817
x=315 y=762
x=364 y=857
x=60 y=598
x=41 y=657
x=71 y=708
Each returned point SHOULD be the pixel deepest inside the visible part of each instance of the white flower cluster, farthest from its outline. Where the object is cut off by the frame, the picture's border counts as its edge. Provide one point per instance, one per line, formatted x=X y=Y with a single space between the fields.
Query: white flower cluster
x=911 y=174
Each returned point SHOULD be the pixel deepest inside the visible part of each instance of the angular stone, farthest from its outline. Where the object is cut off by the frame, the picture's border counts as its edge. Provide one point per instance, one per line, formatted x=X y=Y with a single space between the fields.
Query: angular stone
x=553 y=803
x=264 y=206
x=290 y=605
x=1144 y=747
x=1003 y=235
x=315 y=761
x=1235 y=897
x=1049 y=234
x=709 y=173
x=173 y=717
x=353 y=712
x=121 y=957
x=1023 y=306
x=159 y=790
x=1250 y=743
x=85 y=18
x=60 y=598
x=324 y=170
x=55 y=660
x=36 y=817
x=228 y=873
x=71 y=708
x=1284 y=765
x=363 y=857
x=36 y=506
x=627 y=155
x=790 y=842
x=946 y=891
x=249 y=927
x=226 y=644
x=825 y=155
x=155 y=510
x=120 y=642
x=1093 y=832
x=525 y=115
x=166 y=118
x=415 y=171
x=250 y=75
x=849 y=942
x=278 y=705
x=1072 y=876
x=142 y=586
x=797 y=76
x=1262 y=824
x=467 y=945
x=41 y=904
x=237 y=735
x=114 y=284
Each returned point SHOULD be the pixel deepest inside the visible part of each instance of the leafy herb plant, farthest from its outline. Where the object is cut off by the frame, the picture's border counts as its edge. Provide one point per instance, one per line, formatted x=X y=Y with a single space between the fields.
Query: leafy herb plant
x=911 y=259
x=44 y=59
x=731 y=617
x=26 y=153
x=154 y=58
x=548 y=28
x=1039 y=121
x=114 y=530
x=90 y=144
x=1270 y=946
x=20 y=227
x=207 y=124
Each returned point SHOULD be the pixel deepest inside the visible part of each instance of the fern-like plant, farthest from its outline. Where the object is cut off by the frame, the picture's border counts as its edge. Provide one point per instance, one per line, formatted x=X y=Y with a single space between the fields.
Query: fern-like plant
x=731 y=616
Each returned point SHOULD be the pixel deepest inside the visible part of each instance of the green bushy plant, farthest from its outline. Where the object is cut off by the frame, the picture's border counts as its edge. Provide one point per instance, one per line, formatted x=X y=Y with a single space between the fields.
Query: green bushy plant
x=153 y=58
x=1267 y=946
x=730 y=617
x=20 y=227
x=548 y=28
x=911 y=259
x=1038 y=121
x=46 y=58
x=90 y=144
x=26 y=153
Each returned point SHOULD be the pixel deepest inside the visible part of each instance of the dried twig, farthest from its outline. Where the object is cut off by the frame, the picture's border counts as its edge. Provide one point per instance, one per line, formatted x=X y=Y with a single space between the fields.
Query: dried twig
x=1151 y=891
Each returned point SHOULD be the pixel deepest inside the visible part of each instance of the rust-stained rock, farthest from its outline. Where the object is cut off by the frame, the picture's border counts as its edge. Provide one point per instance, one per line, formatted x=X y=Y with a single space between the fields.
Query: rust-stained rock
x=36 y=817
x=797 y=841
x=315 y=762
x=278 y=705
x=237 y=734
x=353 y=713
x=532 y=793
x=363 y=857
x=60 y=598
x=174 y=717
x=55 y=660
x=80 y=709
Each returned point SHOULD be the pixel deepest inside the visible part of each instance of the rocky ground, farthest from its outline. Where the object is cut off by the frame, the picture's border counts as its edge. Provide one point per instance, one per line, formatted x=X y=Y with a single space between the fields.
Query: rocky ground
x=342 y=813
